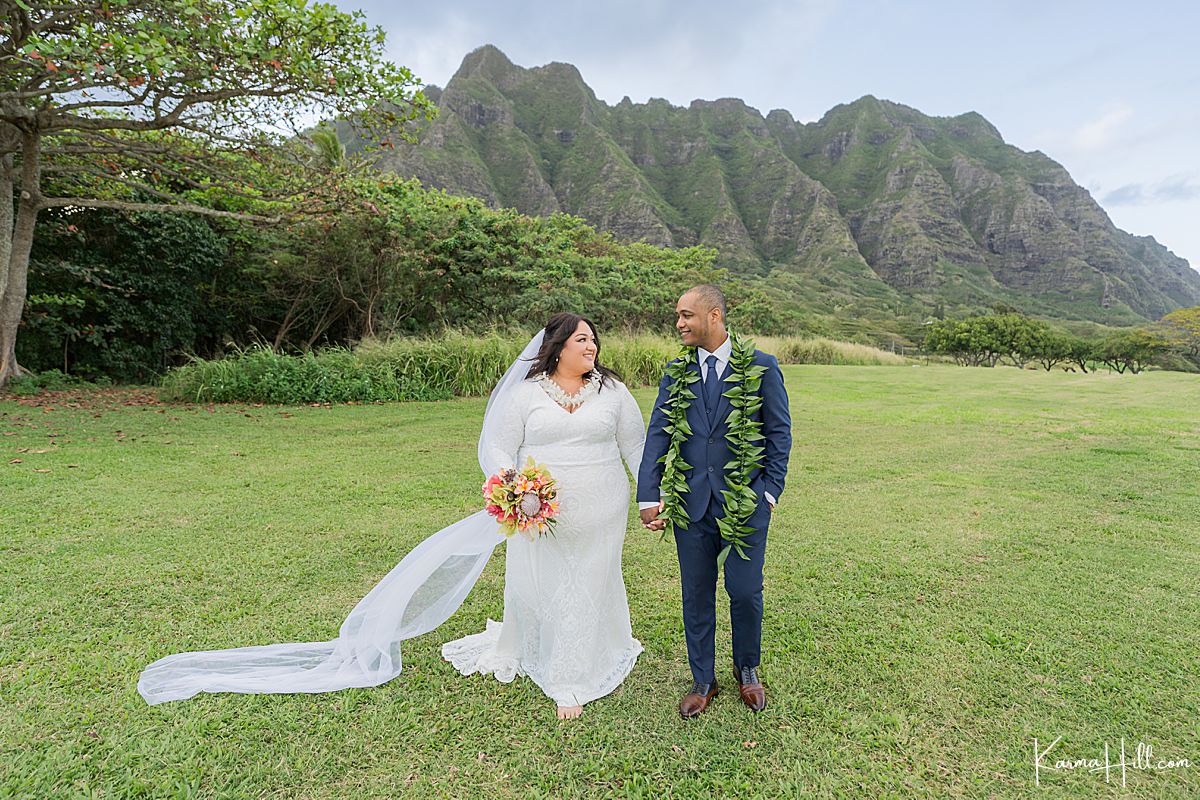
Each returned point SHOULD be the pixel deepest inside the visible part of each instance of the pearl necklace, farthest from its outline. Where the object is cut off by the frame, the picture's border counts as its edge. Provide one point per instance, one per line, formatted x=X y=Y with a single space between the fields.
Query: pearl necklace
x=569 y=401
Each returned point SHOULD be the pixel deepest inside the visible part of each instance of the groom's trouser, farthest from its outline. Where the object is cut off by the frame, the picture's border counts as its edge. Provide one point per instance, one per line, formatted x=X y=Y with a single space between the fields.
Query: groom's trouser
x=698 y=546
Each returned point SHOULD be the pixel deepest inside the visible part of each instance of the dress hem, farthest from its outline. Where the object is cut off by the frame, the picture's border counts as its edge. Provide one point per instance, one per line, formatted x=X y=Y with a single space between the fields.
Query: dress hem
x=476 y=654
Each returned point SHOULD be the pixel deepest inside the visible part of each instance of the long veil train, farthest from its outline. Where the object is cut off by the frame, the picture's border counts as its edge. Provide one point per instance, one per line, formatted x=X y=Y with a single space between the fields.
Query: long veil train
x=418 y=595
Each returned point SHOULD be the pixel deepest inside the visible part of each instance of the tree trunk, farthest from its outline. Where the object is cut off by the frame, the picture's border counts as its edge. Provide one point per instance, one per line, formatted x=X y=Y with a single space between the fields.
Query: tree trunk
x=13 y=303
x=6 y=219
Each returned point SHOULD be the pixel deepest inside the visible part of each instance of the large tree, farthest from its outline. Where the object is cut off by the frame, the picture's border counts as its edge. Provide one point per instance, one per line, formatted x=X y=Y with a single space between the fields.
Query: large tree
x=173 y=105
x=1182 y=328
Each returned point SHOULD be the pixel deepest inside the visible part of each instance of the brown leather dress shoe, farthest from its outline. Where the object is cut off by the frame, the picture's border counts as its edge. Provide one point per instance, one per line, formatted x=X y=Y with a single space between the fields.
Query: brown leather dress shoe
x=750 y=688
x=695 y=701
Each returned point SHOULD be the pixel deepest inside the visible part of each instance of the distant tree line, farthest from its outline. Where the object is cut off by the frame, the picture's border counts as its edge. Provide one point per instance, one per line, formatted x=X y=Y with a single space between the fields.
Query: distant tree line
x=1012 y=338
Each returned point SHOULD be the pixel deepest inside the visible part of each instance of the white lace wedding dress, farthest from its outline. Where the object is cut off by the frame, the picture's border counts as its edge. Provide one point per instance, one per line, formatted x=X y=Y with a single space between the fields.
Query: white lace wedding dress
x=566 y=616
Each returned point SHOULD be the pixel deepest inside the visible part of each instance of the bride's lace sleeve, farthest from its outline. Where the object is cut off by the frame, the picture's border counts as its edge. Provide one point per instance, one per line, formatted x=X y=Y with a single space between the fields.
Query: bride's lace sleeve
x=504 y=431
x=631 y=431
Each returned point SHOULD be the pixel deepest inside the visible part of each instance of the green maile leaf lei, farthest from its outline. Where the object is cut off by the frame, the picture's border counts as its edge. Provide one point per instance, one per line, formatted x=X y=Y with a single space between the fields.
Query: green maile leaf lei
x=744 y=436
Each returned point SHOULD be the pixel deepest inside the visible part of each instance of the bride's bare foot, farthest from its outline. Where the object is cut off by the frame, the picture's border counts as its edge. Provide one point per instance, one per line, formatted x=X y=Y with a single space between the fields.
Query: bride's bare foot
x=569 y=712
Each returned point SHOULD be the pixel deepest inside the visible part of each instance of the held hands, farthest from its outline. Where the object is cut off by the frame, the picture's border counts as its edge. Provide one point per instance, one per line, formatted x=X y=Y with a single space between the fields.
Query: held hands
x=651 y=521
x=650 y=518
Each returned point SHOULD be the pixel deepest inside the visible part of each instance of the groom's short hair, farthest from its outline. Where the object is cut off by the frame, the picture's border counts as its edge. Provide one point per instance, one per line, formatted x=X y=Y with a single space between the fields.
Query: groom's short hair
x=711 y=295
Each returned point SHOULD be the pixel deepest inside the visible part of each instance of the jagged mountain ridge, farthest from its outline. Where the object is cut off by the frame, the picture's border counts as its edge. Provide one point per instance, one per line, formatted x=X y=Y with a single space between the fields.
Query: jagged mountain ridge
x=876 y=205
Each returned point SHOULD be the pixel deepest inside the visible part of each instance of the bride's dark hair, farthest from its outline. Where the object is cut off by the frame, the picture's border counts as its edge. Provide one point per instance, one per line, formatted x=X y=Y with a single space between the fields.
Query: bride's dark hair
x=559 y=329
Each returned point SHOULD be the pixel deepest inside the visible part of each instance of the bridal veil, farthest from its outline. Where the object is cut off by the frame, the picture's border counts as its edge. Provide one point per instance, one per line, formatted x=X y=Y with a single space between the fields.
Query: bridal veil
x=418 y=595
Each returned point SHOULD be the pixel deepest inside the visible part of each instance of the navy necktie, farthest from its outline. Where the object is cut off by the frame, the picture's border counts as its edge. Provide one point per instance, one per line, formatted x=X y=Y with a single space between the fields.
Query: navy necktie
x=711 y=392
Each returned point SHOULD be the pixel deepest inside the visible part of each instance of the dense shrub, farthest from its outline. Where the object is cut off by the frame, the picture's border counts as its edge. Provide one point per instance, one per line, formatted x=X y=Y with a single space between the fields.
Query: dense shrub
x=403 y=261
x=123 y=295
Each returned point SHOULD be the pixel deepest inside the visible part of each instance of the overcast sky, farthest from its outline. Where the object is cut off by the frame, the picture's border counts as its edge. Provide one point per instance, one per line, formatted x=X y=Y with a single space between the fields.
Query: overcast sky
x=1111 y=90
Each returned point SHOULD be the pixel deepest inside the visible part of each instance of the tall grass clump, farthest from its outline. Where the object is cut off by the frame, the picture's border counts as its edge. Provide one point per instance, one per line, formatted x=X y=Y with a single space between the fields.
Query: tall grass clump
x=259 y=375
x=639 y=357
x=453 y=364
x=796 y=350
x=450 y=365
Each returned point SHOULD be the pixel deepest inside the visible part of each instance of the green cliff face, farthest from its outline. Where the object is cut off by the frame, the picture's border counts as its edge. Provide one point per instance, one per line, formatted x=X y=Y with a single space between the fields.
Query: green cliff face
x=876 y=206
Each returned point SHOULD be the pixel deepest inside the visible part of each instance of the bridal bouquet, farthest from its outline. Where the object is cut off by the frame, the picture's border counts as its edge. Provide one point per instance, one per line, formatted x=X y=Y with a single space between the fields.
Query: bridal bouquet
x=523 y=500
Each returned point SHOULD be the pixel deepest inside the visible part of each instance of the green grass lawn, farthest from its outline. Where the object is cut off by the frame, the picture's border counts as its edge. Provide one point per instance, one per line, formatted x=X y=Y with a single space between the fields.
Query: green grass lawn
x=964 y=560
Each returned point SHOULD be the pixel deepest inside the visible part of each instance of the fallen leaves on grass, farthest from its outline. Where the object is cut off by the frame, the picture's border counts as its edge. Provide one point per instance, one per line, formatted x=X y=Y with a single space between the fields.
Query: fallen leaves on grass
x=101 y=399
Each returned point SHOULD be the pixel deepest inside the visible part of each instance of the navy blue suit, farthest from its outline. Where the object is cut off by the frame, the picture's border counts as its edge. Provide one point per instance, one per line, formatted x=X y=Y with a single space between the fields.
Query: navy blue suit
x=699 y=543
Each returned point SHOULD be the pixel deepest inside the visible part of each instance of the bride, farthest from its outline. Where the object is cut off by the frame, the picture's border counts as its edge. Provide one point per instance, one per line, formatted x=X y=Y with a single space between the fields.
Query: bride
x=566 y=617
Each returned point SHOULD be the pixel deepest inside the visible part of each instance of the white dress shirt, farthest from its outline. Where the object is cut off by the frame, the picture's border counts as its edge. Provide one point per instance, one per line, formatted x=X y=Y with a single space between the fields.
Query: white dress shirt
x=722 y=353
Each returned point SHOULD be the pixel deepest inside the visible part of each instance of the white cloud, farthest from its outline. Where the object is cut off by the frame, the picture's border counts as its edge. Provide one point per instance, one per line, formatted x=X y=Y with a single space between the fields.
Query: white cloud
x=434 y=58
x=1176 y=188
x=1103 y=131
x=640 y=48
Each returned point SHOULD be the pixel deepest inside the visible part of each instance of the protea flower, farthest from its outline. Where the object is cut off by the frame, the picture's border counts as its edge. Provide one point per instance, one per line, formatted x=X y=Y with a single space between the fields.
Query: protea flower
x=531 y=504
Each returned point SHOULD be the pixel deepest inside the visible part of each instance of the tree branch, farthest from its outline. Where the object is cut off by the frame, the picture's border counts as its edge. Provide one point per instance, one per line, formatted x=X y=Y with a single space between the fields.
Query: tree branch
x=133 y=100
x=167 y=208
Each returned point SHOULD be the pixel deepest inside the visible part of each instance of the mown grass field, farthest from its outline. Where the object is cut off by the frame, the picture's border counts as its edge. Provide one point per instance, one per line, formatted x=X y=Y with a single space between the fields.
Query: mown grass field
x=964 y=560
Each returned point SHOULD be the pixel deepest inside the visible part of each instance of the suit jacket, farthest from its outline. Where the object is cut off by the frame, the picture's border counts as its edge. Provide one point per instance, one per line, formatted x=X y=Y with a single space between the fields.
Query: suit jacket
x=707 y=450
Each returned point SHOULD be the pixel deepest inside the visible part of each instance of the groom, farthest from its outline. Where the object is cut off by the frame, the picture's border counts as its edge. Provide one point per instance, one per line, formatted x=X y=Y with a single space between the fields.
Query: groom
x=701 y=324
